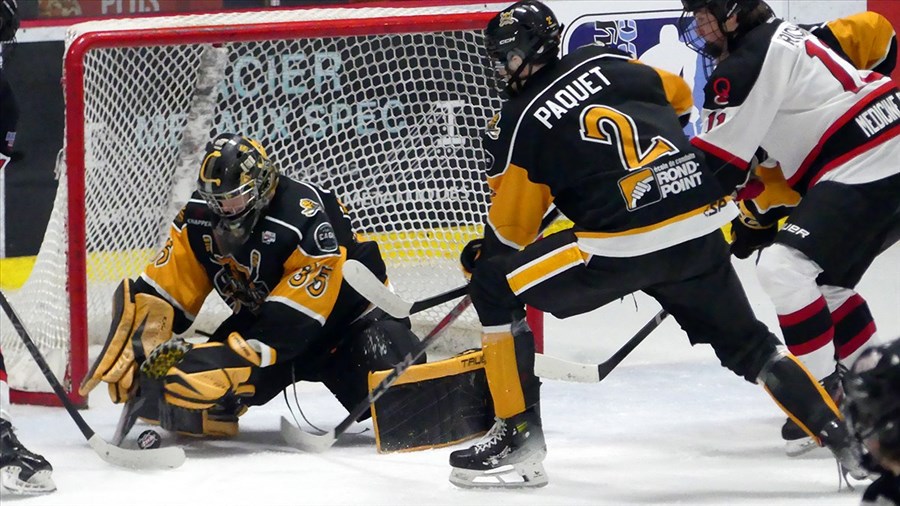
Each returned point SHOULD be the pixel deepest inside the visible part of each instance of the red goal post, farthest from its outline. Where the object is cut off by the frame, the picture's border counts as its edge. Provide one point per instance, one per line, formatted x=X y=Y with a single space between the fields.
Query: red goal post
x=384 y=106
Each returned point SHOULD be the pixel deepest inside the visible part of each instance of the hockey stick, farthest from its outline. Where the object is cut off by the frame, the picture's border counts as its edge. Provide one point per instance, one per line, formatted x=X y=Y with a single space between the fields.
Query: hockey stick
x=554 y=368
x=317 y=443
x=368 y=285
x=158 y=458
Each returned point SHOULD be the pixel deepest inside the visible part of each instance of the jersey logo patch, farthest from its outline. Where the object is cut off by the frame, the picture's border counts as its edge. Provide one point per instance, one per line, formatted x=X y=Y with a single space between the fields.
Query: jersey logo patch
x=268 y=237
x=310 y=207
x=325 y=238
x=722 y=89
x=640 y=189
x=493 y=127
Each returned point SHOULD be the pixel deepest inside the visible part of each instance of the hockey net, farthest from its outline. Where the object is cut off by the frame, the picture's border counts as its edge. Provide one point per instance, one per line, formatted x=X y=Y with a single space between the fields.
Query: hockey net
x=382 y=105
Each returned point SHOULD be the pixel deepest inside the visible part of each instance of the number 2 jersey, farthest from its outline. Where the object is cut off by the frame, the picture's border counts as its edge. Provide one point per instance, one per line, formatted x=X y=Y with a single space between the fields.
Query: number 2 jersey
x=286 y=278
x=598 y=134
x=786 y=91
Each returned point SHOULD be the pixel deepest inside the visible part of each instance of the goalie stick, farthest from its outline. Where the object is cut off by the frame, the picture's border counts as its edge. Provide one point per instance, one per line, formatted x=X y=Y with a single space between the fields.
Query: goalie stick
x=302 y=440
x=158 y=458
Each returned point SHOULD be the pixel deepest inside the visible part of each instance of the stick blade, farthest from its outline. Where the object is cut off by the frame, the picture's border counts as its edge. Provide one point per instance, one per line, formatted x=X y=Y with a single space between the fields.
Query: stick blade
x=369 y=286
x=305 y=441
x=553 y=368
x=152 y=458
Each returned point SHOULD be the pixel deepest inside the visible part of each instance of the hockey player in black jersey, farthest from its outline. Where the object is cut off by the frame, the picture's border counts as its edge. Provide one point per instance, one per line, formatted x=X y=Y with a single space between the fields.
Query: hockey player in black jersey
x=273 y=249
x=872 y=405
x=598 y=135
x=833 y=129
x=21 y=471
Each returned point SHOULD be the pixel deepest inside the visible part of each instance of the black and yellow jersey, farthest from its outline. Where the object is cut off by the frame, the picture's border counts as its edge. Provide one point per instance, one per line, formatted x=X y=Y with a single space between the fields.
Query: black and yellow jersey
x=867 y=40
x=287 y=274
x=598 y=135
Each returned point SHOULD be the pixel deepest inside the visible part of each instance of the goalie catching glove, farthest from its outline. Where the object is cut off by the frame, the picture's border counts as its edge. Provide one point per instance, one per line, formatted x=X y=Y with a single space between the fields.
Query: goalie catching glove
x=140 y=323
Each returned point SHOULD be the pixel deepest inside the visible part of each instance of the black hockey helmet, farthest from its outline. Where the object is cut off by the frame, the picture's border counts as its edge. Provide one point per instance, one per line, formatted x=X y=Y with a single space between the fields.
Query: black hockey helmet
x=527 y=29
x=721 y=10
x=872 y=400
x=9 y=20
x=237 y=180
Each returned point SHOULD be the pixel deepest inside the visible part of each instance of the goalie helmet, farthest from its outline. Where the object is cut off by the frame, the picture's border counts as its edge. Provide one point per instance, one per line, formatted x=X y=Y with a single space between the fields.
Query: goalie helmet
x=9 y=20
x=748 y=12
x=237 y=180
x=872 y=401
x=527 y=29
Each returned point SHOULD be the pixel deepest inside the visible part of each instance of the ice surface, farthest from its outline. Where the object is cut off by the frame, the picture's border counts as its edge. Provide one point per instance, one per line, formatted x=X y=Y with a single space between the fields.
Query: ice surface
x=668 y=427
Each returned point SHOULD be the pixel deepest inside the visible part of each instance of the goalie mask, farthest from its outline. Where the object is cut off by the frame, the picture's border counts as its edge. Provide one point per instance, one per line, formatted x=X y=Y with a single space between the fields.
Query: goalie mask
x=527 y=29
x=703 y=24
x=237 y=180
x=872 y=401
x=9 y=20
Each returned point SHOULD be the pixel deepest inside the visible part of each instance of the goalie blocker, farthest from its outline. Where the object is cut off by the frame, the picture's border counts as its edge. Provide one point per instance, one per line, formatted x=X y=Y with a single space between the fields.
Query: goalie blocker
x=450 y=399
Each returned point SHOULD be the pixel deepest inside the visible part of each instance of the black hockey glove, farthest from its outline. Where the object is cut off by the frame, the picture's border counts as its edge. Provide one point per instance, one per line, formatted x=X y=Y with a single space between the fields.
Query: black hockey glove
x=469 y=256
x=745 y=239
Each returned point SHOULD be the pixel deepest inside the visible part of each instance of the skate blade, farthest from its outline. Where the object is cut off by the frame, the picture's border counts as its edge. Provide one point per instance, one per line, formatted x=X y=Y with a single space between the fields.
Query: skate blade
x=39 y=483
x=522 y=475
x=798 y=447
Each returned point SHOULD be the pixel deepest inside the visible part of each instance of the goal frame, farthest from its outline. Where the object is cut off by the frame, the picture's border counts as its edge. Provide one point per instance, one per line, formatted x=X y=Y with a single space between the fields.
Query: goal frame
x=75 y=153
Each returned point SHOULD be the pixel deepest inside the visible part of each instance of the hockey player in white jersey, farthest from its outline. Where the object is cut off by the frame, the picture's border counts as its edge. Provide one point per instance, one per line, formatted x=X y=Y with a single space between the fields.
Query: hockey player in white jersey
x=833 y=128
x=868 y=41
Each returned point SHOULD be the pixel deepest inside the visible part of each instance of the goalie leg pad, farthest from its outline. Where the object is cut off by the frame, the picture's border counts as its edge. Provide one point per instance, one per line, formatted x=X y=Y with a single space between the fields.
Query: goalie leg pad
x=219 y=421
x=141 y=322
x=450 y=398
x=210 y=371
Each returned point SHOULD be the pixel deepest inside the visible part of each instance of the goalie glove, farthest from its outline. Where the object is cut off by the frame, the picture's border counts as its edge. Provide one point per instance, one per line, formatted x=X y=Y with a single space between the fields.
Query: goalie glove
x=470 y=255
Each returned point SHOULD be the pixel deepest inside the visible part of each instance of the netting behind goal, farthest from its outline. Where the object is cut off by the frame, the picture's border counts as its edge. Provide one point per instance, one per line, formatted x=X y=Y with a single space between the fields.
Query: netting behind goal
x=383 y=106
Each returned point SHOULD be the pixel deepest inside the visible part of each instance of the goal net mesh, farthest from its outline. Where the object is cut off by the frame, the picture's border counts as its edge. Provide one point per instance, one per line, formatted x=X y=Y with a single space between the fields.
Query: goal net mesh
x=391 y=122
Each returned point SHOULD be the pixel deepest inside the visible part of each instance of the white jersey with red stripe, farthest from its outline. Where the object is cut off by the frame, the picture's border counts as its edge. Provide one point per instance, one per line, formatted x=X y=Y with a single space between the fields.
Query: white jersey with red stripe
x=786 y=91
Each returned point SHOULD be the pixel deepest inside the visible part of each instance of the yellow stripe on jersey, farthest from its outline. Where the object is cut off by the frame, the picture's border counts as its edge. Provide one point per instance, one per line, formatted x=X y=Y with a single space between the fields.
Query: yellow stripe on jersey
x=864 y=37
x=678 y=92
x=178 y=273
x=502 y=373
x=517 y=206
x=545 y=267
x=310 y=285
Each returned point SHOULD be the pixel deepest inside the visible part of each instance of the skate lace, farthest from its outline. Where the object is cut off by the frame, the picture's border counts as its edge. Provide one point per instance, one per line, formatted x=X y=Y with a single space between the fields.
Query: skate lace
x=494 y=436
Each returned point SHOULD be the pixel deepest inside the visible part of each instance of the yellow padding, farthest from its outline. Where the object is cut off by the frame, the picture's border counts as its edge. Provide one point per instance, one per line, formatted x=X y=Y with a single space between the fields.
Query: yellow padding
x=502 y=374
x=423 y=372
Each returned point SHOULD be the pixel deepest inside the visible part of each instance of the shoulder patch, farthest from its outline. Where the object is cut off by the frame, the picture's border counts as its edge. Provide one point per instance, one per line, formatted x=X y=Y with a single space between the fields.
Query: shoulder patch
x=310 y=207
x=326 y=239
x=493 y=127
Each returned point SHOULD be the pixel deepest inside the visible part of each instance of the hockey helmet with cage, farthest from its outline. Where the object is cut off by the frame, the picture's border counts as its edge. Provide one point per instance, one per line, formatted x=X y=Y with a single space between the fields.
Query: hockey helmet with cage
x=527 y=29
x=721 y=11
x=237 y=180
x=872 y=400
x=9 y=20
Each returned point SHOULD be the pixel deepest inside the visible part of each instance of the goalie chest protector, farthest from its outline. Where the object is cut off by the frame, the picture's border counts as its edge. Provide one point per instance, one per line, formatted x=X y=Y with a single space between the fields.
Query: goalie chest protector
x=433 y=405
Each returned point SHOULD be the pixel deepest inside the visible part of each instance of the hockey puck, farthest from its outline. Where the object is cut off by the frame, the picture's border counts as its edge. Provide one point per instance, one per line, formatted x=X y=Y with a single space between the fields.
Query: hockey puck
x=149 y=439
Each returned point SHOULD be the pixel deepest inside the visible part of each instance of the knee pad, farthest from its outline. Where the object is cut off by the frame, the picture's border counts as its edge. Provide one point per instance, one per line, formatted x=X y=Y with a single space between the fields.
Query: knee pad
x=788 y=275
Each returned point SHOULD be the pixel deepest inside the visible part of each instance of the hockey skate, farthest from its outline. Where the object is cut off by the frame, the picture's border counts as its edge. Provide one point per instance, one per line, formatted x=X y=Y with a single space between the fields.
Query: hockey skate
x=796 y=441
x=510 y=455
x=22 y=472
